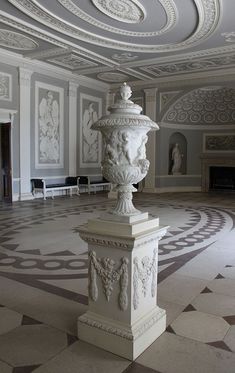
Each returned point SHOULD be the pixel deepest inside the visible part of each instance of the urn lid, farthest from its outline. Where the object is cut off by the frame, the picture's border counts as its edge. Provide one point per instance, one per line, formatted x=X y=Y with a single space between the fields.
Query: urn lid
x=124 y=105
x=125 y=112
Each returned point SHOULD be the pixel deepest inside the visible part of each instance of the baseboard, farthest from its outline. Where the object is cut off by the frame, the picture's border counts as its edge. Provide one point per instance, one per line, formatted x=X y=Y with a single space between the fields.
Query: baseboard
x=178 y=189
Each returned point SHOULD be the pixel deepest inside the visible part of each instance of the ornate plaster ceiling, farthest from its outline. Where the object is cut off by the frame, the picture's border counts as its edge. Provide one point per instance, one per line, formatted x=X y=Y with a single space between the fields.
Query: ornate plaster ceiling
x=111 y=40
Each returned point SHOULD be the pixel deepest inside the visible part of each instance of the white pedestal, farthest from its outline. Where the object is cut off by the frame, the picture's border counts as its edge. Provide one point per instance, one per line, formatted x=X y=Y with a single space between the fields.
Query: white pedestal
x=122 y=315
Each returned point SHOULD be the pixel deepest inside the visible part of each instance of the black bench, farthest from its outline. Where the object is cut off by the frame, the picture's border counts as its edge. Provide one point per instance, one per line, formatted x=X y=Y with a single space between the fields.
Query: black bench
x=92 y=181
x=39 y=186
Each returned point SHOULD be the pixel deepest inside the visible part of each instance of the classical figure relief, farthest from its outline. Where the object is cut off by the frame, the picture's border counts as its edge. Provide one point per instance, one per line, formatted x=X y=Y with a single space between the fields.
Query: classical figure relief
x=104 y=268
x=90 y=137
x=49 y=126
x=118 y=149
x=90 y=145
x=49 y=129
x=176 y=157
x=142 y=274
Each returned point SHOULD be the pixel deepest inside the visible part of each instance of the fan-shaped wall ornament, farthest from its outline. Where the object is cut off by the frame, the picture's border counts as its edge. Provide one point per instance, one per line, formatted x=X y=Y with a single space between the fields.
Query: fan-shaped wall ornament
x=203 y=106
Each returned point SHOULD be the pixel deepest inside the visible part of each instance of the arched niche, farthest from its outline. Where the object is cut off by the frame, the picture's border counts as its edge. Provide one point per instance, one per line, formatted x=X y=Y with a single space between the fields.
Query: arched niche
x=179 y=139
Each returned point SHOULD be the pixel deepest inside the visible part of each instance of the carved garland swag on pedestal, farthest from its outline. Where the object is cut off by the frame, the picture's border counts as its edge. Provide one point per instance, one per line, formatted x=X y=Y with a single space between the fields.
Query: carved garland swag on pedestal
x=104 y=267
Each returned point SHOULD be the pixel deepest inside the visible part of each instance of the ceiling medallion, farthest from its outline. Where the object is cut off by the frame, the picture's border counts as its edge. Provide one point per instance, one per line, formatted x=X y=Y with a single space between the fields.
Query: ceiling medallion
x=15 y=40
x=112 y=77
x=128 y=11
x=168 y=5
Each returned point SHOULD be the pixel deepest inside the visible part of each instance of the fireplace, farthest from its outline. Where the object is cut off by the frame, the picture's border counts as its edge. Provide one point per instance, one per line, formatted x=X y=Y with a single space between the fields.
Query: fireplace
x=222 y=178
x=218 y=171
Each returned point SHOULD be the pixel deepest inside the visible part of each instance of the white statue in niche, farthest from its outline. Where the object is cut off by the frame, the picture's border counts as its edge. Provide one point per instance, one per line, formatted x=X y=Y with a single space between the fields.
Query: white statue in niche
x=176 y=157
x=90 y=137
x=49 y=129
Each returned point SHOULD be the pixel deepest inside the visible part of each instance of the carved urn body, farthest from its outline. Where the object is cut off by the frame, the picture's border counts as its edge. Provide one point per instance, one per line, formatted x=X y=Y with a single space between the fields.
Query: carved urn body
x=124 y=133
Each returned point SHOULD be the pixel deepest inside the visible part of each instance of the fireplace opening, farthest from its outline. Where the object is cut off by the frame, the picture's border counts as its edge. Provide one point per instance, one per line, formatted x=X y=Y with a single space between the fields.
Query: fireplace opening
x=222 y=178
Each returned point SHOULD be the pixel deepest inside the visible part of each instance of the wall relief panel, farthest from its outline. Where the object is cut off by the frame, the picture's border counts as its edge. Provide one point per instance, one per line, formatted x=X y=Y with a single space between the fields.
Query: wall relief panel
x=49 y=126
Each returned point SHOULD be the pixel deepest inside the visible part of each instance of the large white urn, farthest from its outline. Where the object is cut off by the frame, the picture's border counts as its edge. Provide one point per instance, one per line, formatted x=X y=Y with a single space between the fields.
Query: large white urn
x=124 y=133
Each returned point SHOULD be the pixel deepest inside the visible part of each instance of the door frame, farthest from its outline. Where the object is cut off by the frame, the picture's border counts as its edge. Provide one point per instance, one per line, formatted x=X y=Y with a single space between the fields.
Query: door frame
x=7 y=116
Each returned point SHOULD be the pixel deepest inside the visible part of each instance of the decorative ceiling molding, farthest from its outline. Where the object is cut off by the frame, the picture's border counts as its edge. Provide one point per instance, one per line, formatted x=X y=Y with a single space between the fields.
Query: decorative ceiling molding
x=202 y=106
x=72 y=61
x=13 y=22
x=208 y=17
x=15 y=59
x=189 y=66
x=229 y=36
x=124 y=57
x=15 y=40
x=166 y=97
x=47 y=53
x=112 y=77
x=128 y=11
x=168 y=5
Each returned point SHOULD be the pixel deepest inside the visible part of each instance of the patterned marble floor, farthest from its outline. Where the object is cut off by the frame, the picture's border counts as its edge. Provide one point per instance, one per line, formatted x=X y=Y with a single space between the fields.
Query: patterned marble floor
x=43 y=286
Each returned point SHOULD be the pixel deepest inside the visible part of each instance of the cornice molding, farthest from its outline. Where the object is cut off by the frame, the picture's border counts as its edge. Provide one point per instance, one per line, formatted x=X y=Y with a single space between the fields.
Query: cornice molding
x=16 y=60
x=198 y=127
x=197 y=78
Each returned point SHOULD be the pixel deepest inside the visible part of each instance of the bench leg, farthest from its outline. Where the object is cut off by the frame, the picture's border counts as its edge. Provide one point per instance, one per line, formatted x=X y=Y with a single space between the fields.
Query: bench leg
x=71 y=192
x=52 y=194
x=78 y=194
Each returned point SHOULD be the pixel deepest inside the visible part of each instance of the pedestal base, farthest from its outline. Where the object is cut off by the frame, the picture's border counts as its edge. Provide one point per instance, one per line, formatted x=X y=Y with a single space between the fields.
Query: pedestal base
x=118 y=338
x=122 y=315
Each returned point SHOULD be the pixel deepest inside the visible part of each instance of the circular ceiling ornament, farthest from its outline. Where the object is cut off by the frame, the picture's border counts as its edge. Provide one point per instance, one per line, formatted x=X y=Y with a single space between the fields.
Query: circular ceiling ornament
x=208 y=18
x=168 y=6
x=112 y=77
x=128 y=11
x=14 y=40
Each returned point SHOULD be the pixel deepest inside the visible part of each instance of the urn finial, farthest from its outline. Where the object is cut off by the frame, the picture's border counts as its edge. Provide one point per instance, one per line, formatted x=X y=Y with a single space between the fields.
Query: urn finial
x=125 y=91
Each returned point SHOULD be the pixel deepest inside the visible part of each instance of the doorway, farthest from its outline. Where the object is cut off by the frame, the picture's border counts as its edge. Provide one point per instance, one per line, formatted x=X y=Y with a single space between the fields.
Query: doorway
x=5 y=163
